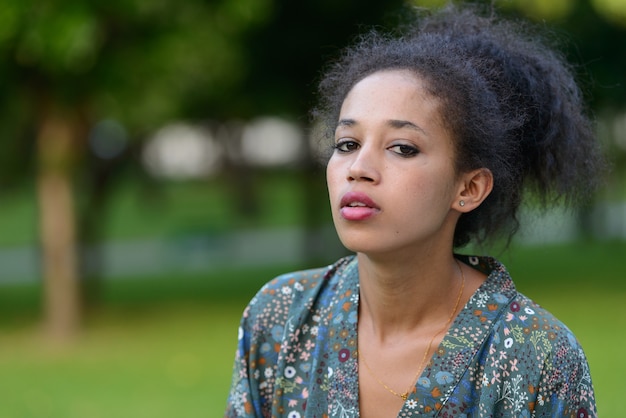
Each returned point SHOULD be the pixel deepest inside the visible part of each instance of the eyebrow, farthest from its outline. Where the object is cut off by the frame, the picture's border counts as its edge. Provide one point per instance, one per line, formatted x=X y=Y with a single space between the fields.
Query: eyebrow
x=346 y=122
x=400 y=124
x=393 y=123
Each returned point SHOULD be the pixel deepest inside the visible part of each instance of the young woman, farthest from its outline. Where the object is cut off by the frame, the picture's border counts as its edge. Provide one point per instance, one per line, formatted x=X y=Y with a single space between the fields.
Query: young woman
x=438 y=134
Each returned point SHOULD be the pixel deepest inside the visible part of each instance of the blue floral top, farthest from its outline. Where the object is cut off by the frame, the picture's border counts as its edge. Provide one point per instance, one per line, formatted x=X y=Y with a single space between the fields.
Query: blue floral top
x=503 y=356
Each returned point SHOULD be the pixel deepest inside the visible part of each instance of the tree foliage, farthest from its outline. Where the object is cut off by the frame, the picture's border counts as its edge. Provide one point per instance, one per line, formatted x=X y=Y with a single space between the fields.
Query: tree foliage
x=133 y=60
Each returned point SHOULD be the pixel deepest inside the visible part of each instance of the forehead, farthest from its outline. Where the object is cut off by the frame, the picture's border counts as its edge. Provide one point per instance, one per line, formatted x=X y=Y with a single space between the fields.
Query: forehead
x=391 y=94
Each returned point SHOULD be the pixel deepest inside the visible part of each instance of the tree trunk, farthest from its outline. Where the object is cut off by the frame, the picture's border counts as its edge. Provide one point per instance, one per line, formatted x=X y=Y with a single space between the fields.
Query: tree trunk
x=55 y=146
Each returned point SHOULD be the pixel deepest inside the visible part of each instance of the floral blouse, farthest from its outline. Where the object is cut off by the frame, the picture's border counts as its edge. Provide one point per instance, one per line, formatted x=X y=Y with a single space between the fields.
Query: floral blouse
x=503 y=356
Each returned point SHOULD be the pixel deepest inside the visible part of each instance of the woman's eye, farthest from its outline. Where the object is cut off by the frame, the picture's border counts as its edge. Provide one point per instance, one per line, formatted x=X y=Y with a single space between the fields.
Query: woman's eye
x=404 y=150
x=346 y=146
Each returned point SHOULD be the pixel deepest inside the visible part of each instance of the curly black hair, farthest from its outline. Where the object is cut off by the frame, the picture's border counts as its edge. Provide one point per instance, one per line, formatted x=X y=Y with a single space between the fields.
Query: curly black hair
x=509 y=99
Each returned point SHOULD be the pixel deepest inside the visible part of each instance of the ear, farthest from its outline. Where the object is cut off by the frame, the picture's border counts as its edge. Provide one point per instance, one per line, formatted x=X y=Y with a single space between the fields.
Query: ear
x=474 y=188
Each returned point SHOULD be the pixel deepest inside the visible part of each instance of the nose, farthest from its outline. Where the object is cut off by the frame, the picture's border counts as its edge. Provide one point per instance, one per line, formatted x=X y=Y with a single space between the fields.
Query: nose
x=363 y=167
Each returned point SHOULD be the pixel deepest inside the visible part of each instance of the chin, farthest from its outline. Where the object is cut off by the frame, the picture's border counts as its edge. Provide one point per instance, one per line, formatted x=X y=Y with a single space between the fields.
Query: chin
x=360 y=243
x=352 y=244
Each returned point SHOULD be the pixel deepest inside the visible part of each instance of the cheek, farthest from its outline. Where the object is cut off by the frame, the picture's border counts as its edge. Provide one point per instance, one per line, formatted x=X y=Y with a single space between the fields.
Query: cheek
x=332 y=175
x=427 y=193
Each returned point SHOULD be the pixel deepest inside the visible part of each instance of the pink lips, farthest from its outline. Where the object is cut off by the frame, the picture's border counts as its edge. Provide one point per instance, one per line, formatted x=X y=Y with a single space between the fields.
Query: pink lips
x=357 y=206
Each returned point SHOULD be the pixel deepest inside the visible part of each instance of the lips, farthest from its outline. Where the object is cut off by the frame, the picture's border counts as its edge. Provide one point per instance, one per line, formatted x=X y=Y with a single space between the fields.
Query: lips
x=356 y=206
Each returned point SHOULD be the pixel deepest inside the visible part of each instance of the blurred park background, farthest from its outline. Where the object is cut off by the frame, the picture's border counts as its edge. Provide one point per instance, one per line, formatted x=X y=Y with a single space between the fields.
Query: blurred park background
x=156 y=169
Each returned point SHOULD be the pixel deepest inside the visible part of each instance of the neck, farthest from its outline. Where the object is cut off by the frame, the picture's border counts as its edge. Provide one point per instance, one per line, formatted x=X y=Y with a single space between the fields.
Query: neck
x=403 y=297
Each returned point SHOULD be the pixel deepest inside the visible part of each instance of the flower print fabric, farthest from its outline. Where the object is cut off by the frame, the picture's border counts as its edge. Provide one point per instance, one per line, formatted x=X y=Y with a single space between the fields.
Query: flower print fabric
x=503 y=356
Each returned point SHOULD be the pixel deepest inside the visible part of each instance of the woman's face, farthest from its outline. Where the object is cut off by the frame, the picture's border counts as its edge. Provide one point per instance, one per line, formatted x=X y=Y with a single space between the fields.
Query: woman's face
x=391 y=178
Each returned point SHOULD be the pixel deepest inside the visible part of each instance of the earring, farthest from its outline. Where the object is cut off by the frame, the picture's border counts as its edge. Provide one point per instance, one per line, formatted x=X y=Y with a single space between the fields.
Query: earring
x=461 y=203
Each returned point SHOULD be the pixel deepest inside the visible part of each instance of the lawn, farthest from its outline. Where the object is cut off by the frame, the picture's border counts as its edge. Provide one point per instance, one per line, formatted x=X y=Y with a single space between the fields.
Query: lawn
x=156 y=347
x=170 y=362
x=164 y=347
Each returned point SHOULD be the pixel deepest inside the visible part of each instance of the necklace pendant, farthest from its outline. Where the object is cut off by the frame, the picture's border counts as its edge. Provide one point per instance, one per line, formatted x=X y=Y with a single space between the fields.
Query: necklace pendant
x=404 y=396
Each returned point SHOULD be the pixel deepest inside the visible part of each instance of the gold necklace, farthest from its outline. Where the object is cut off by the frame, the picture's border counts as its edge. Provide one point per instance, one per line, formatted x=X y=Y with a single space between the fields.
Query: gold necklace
x=405 y=395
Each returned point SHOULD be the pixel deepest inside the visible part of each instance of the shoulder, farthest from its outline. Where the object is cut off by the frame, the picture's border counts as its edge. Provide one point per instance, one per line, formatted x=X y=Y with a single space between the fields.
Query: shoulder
x=293 y=294
x=534 y=354
x=538 y=332
x=299 y=284
x=522 y=325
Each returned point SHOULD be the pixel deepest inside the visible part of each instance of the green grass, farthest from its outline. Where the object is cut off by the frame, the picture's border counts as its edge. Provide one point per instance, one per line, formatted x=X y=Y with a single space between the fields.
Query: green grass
x=155 y=347
x=171 y=362
x=164 y=347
